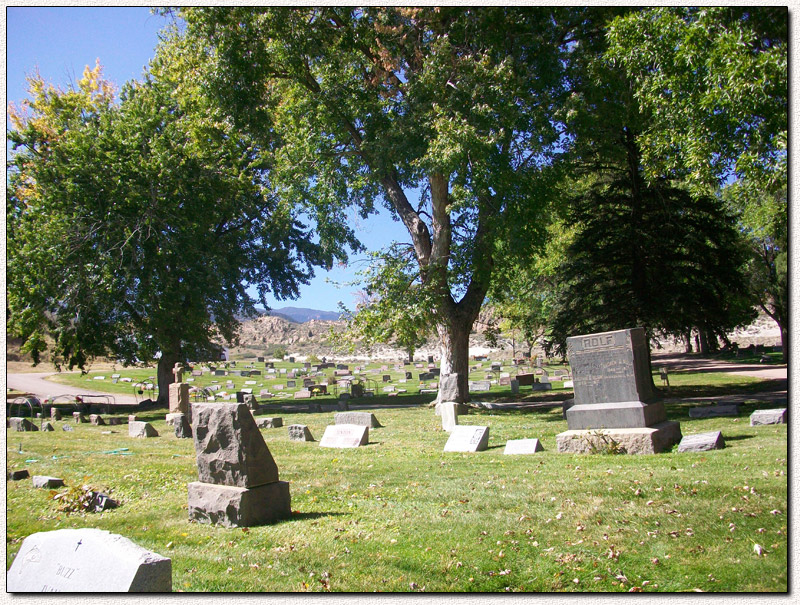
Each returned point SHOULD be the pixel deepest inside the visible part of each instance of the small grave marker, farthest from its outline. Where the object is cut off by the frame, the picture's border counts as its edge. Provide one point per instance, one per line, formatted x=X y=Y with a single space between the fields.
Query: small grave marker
x=522 y=446
x=299 y=432
x=761 y=417
x=468 y=439
x=345 y=436
x=702 y=442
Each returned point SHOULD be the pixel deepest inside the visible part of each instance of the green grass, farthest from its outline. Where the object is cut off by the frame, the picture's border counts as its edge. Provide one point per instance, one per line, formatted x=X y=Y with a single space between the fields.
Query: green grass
x=265 y=381
x=401 y=515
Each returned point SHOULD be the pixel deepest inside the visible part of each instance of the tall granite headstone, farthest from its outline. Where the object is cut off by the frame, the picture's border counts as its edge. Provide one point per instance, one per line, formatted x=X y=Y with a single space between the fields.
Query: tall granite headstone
x=238 y=484
x=614 y=394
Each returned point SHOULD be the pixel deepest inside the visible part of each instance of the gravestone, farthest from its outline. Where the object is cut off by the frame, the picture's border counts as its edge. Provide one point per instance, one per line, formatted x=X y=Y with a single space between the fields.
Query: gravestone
x=303 y=394
x=467 y=439
x=22 y=424
x=55 y=414
x=141 y=429
x=269 y=423
x=299 y=432
x=358 y=418
x=714 y=411
x=86 y=560
x=504 y=381
x=449 y=411
x=44 y=482
x=702 y=442
x=614 y=394
x=238 y=479
x=17 y=475
x=522 y=446
x=183 y=428
x=514 y=386
x=761 y=417
x=96 y=420
x=481 y=385
x=47 y=427
x=179 y=398
x=290 y=384
x=345 y=436
x=448 y=387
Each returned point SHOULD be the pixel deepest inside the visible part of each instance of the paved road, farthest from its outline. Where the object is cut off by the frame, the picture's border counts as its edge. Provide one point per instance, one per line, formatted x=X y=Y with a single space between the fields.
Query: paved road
x=37 y=384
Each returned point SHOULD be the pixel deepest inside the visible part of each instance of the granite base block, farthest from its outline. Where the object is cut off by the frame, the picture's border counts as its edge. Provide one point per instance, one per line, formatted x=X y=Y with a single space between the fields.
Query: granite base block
x=649 y=440
x=239 y=506
x=617 y=415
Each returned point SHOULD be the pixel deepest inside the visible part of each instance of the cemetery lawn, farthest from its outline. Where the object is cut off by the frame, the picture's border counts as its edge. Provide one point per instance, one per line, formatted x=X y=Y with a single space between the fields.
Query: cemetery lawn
x=401 y=515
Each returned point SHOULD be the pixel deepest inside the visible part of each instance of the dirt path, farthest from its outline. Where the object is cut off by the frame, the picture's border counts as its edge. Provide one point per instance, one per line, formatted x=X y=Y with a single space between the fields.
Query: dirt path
x=37 y=384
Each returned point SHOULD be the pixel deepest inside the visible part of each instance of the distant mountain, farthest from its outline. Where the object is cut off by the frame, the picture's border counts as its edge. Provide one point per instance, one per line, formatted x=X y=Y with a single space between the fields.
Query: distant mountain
x=300 y=315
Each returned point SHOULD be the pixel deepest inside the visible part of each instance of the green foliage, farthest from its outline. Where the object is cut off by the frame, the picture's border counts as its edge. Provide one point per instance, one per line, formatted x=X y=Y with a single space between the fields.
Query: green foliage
x=381 y=105
x=277 y=351
x=396 y=307
x=713 y=83
x=137 y=227
x=657 y=258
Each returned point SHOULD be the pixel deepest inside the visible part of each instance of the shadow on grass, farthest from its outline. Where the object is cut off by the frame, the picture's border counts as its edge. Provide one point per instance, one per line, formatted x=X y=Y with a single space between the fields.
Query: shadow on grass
x=299 y=516
x=736 y=437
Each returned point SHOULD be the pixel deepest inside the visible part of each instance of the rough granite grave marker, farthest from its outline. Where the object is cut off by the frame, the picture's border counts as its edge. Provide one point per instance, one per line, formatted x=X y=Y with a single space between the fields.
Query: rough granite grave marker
x=614 y=393
x=86 y=560
x=761 y=417
x=299 y=432
x=238 y=479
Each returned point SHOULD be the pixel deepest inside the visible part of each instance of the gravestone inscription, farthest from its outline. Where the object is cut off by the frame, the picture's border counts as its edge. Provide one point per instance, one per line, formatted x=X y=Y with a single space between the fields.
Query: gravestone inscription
x=345 y=436
x=467 y=439
x=86 y=560
x=614 y=392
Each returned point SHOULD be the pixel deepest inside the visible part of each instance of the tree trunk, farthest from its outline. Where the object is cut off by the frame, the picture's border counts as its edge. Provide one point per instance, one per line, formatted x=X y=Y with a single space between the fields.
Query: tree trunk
x=784 y=341
x=454 y=349
x=165 y=375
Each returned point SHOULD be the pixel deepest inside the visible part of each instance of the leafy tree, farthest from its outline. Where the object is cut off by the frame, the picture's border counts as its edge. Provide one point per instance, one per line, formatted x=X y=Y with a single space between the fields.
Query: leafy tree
x=651 y=256
x=394 y=306
x=763 y=216
x=455 y=106
x=135 y=228
x=713 y=83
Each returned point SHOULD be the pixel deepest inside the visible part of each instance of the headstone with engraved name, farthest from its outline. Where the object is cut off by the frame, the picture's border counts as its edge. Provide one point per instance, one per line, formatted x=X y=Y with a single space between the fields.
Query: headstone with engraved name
x=467 y=439
x=345 y=436
x=86 y=560
x=614 y=392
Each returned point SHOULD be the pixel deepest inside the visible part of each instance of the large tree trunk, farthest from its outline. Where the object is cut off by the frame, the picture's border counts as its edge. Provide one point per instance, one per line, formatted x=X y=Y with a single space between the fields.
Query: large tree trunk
x=454 y=349
x=165 y=376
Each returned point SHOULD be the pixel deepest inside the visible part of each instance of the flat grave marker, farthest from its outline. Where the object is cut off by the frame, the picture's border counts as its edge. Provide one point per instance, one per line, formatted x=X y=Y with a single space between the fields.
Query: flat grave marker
x=467 y=439
x=522 y=446
x=345 y=436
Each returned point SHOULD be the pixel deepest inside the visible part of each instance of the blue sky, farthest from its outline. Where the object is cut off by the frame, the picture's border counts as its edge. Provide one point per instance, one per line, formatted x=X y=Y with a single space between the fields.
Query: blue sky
x=61 y=41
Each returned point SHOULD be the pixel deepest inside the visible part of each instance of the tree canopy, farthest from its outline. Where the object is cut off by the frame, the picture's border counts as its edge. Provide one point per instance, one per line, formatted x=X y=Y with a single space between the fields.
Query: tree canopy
x=136 y=228
x=445 y=115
